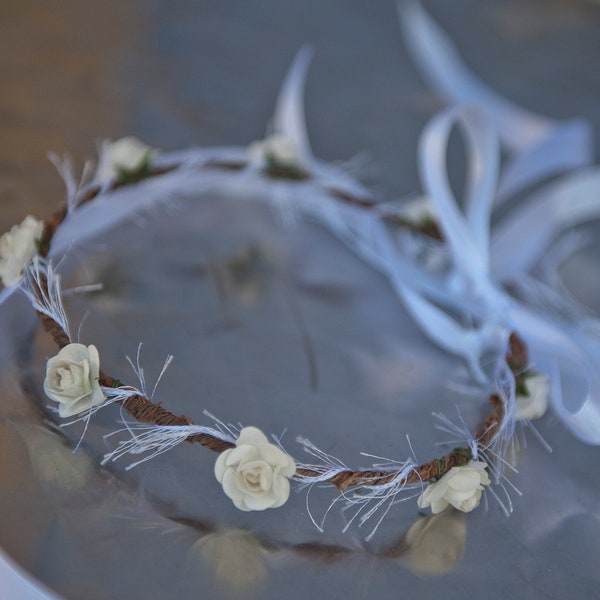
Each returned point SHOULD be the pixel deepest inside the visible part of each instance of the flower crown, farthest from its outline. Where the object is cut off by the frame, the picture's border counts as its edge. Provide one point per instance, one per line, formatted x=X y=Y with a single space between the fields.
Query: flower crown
x=438 y=263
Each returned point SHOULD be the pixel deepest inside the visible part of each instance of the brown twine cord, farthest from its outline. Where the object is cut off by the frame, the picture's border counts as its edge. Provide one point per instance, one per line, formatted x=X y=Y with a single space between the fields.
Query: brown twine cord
x=427 y=228
x=432 y=470
x=146 y=411
x=61 y=339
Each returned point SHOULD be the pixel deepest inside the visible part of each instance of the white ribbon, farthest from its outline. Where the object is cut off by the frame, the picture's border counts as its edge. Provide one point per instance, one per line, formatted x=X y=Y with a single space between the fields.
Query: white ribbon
x=466 y=234
x=288 y=119
x=574 y=371
x=570 y=353
x=538 y=147
x=526 y=233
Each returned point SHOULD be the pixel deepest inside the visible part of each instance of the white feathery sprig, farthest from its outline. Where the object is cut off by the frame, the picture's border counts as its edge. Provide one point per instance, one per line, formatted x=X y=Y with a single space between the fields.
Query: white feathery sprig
x=64 y=166
x=227 y=430
x=140 y=373
x=46 y=299
x=112 y=395
x=505 y=387
x=138 y=369
x=328 y=466
x=368 y=500
x=377 y=500
x=458 y=430
x=155 y=440
x=503 y=384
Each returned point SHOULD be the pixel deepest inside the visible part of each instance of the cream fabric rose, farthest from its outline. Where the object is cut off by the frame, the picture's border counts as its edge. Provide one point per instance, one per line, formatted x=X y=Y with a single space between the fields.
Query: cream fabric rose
x=17 y=248
x=460 y=486
x=419 y=210
x=255 y=473
x=533 y=406
x=72 y=379
x=127 y=155
x=277 y=148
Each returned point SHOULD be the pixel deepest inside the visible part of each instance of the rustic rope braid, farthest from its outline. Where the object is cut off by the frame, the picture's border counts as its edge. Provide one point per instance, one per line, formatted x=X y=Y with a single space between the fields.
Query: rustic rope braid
x=144 y=410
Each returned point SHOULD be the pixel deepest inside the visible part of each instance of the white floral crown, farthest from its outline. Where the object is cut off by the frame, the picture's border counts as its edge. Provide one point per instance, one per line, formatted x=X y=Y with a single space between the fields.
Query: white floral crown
x=439 y=264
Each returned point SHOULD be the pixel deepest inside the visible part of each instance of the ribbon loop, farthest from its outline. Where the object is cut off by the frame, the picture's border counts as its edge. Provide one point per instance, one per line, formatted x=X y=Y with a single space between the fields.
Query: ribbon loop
x=467 y=234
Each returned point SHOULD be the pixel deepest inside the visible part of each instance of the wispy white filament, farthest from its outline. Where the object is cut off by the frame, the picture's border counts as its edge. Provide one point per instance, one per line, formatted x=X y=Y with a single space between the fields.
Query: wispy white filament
x=155 y=440
x=327 y=465
x=368 y=501
x=46 y=299
x=65 y=168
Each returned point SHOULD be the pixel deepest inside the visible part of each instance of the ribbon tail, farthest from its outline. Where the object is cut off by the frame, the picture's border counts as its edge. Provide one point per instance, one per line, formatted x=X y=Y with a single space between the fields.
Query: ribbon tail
x=467 y=237
x=521 y=240
x=288 y=119
x=574 y=371
x=568 y=146
x=443 y=330
x=578 y=409
x=437 y=58
x=538 y=147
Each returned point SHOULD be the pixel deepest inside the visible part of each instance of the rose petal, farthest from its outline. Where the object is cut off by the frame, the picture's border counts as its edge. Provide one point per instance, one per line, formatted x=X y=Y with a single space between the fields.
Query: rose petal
x=258 y=502
x=221 y=464
x=465 y=480
x=471 y=503
x=241 y=453
x=94 y=359
x=456 y=497
x=232 y=490
x=281 y=491
x=252 y=436
x=434 y=491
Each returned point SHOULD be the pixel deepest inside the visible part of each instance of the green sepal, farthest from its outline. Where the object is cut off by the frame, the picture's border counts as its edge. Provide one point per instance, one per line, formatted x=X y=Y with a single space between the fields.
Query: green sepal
x=521 y=389
x=440 y=466
x=127 y=176
x=278 y=169
x=42 y=245
x=464 y=452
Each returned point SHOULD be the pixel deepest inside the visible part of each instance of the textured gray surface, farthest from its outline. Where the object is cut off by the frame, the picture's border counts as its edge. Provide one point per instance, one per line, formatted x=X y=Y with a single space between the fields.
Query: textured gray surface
x=177 y=73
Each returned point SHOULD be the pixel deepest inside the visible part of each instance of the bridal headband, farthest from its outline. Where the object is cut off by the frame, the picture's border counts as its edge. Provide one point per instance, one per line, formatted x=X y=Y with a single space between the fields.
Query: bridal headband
x=486 y=294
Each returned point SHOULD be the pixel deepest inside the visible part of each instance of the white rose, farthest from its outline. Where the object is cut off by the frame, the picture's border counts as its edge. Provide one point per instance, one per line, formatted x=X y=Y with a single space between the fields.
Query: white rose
x=460 y=486
x=535 y=404
x=17 y=248
x=255 y=473
x=418 y=210
x=277 y=148
x=72 y=379
x=127 y=155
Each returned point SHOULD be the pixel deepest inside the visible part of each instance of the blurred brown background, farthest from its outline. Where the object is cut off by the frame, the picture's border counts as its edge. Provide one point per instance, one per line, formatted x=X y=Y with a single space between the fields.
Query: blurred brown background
x=182 y=72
